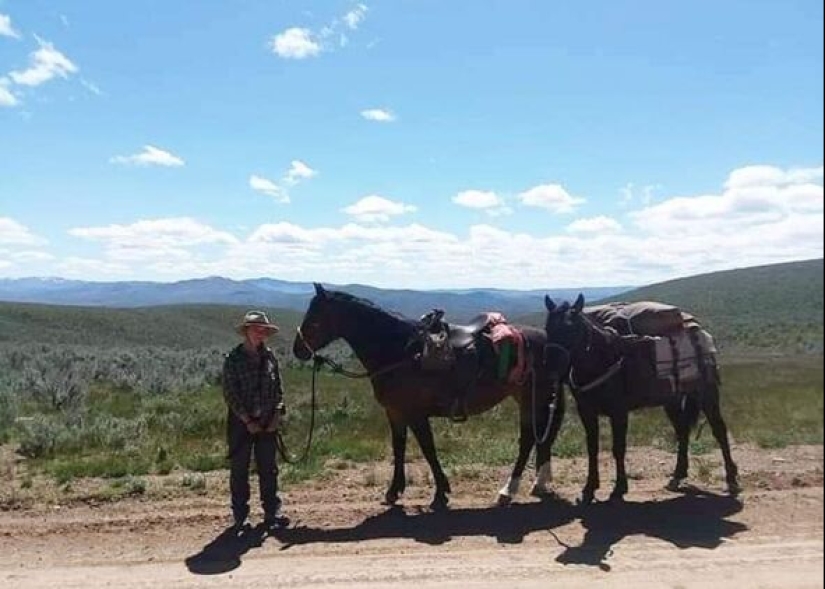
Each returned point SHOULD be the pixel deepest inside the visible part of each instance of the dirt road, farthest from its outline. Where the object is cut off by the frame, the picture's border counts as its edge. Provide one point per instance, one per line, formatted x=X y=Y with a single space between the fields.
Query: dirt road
x=341 y=536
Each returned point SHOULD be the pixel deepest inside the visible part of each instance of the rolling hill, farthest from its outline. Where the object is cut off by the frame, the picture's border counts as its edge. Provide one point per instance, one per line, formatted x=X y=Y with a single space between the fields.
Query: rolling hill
x=775 y=308
x=778 y=307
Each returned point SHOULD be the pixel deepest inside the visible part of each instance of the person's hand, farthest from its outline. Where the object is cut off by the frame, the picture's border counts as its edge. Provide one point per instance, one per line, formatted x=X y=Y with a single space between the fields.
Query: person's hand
x=253 y=427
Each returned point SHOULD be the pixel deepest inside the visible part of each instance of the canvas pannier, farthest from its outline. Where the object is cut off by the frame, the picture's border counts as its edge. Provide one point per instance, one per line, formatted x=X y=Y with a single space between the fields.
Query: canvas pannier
x=642 y=318
x=658 y=367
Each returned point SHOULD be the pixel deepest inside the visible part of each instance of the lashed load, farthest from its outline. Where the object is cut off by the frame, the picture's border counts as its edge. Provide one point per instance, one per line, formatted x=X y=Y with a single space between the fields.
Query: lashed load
x=666 y=350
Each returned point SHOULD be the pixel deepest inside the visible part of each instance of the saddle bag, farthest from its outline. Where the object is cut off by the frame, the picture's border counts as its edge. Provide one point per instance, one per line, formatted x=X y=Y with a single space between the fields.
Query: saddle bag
x=657 y=368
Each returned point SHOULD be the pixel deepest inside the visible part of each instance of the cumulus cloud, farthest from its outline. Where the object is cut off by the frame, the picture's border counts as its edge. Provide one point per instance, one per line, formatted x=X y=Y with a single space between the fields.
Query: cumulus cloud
x=379 y=115
x=298 y=172
x=171 y=238
x=295 y=43
x=303 y=42
x=15 y=233
x=374 y=208
x=150 y=156
x=753 y=197
x=6 y=30
x=600 y=224
x=46 y=63
x=552 y=197
x=268 y=187
x=487 y=201
x=775 y=219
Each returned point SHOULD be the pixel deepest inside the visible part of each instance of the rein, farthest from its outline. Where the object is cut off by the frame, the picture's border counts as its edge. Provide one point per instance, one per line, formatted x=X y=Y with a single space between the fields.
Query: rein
x=279 y=439
x=611 y=372
x=338 y=368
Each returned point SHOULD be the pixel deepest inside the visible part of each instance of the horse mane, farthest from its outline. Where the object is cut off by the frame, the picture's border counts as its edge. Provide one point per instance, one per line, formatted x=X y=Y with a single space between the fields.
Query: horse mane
x=393 y=321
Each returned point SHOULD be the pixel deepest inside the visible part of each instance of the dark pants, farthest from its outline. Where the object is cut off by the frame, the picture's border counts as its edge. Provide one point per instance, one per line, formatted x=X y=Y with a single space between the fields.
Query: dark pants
x=242 y=444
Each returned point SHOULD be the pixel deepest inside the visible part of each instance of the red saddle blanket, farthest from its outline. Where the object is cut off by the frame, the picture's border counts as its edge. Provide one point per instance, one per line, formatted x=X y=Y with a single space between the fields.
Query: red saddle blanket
x=503 y=334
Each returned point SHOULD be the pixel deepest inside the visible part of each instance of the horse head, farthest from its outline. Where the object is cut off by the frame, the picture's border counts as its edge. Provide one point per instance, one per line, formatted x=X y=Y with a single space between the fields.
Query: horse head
x=567 y=333
x=318 y=329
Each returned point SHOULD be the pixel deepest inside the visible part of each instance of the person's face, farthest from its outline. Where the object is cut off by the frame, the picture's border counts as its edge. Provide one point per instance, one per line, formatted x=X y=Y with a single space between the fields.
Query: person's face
x=256 y=334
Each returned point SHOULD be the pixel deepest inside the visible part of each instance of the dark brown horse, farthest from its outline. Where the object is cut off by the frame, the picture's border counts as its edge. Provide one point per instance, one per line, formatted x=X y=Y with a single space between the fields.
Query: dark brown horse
x=410 y=395
x=592 y=358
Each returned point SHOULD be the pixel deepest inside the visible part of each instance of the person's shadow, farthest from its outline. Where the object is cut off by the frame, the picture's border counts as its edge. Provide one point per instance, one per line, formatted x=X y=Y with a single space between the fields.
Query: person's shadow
x=224 y=553
x=693 y=520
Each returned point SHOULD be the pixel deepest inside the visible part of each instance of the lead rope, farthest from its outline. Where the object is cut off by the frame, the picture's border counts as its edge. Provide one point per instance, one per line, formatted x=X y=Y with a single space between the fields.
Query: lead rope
x=279 y=438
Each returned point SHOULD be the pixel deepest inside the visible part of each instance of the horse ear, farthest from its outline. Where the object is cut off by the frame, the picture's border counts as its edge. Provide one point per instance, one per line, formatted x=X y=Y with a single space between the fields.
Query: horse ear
x=319 y=290
x=548 y=302
x=579 y=304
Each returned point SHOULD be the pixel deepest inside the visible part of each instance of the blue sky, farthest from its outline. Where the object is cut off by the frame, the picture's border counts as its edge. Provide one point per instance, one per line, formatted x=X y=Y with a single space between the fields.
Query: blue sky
x=409 y=143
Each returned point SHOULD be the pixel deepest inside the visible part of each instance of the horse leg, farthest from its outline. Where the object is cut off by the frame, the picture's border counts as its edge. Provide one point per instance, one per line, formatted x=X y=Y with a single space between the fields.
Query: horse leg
x=544 y=472
x=710 y=406
x=525 y=445
x=399 y=447
x=618 y=426
x=681 y=425
x=590 y=421
x=424 y=434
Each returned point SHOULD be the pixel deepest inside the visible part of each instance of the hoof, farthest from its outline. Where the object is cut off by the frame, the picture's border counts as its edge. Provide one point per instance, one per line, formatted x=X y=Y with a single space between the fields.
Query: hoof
x=734 y=489
x=542 y=493
x=616 y=498
x=674 y=485
x=504 y=500
x=586 y=498
x=440 y=503
x=391 y=499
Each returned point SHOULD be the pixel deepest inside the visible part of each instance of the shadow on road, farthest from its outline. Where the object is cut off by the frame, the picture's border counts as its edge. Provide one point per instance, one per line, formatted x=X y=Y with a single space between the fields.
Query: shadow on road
x=696 y=519
x=223 y=554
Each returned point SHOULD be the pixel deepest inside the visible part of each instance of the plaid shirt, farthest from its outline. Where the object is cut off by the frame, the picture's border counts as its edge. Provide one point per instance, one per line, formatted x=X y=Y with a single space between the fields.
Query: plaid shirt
x=252 y=384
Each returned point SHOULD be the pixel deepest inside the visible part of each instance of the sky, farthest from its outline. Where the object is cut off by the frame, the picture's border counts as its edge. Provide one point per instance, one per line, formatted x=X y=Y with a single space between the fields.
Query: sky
x=409 y=143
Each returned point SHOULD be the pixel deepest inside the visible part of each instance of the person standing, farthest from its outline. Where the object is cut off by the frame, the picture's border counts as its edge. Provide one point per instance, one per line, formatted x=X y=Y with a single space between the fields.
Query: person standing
x=254 y=397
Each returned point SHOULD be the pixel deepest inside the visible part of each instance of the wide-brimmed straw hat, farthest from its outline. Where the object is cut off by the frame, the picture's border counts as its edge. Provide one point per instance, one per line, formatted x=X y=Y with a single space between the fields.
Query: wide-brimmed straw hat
x=257 y=318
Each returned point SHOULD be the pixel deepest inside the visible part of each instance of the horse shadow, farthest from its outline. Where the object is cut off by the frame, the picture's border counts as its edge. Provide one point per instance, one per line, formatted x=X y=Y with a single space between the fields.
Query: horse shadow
x=508 y=525
x=223 y=554
x=695 y=519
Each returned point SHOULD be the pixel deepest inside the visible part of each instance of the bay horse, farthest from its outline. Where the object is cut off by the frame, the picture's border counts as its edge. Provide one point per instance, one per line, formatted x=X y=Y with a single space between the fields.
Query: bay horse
x=591 y=359
x=411 y=396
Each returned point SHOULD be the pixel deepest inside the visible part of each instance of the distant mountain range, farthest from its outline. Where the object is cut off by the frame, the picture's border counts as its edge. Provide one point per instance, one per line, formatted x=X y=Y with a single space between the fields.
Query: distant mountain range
x=461 y=304
x=776 y=309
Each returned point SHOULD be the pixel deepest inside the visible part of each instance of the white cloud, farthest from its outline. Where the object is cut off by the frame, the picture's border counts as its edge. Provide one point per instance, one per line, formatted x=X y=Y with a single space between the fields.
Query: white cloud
x=170 y=239
x=6 y=96
x=46 y=63
x=6 y=30
x=779 y=218
x=552 y=197
x=599 y=224
x=298 y=172
x=150 y=156
x=355 y=16
x=268 y=187
x=295 y=43
x=14 y=233
x=379 y=115
x=374 y=208
x=303 y=43
x=477 y=199
x=754 y=198
x=487 y=201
